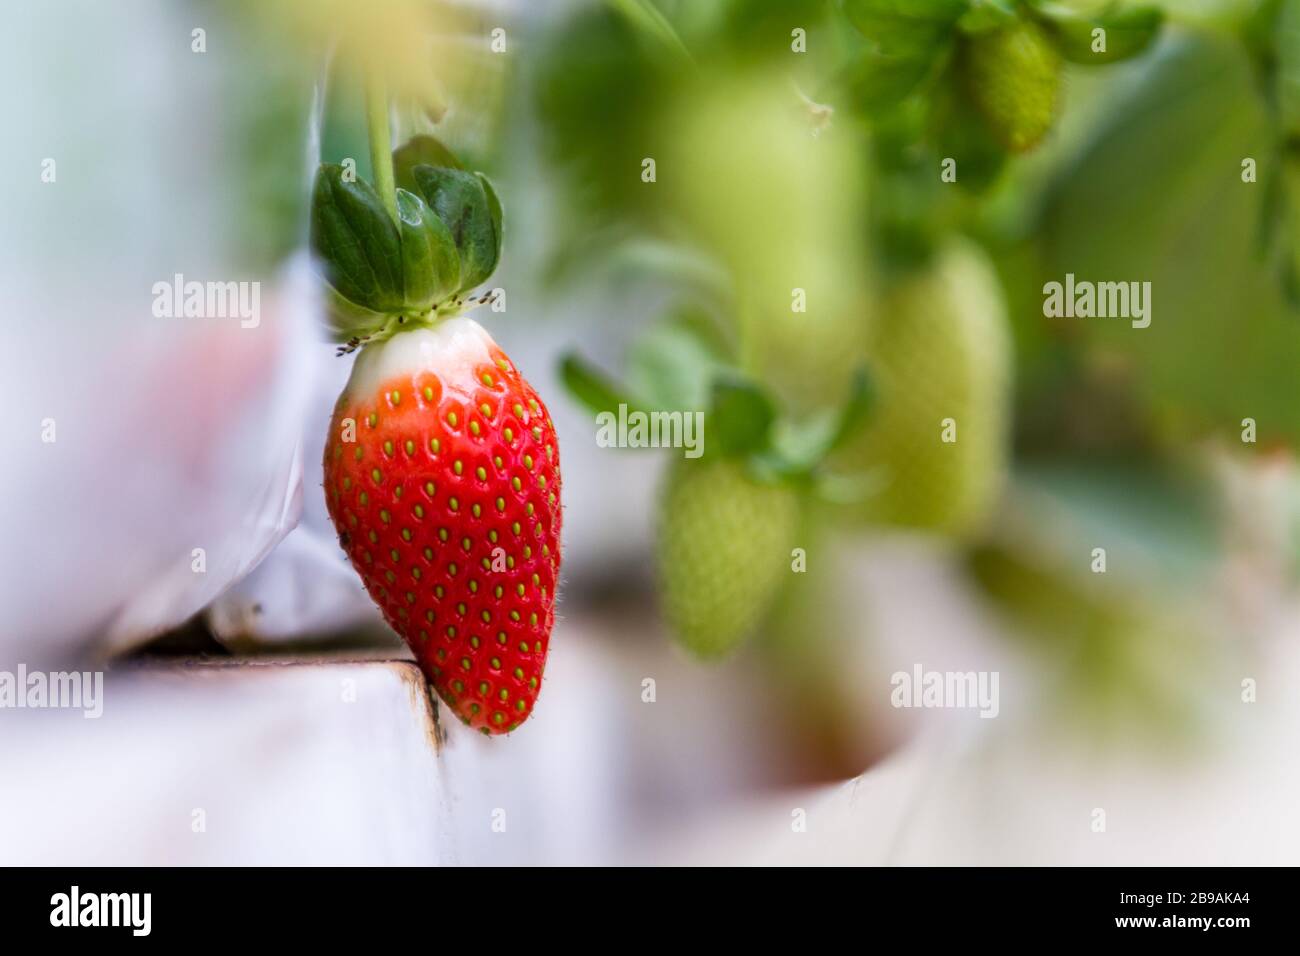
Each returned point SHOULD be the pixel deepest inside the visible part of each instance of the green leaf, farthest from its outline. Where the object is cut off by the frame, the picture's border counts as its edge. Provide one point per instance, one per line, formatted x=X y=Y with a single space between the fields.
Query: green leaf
x=850 y=489
x=616 y=256
x=591 y=387
x=350 y=321
x=494 y=209
x=905 y=26
x=674 y=364
x=1289 y=280
x=962 y=135
x=741 y=417
x=854 y=413
x=1288 y=66
x=877 y=81
x=1103 y=216
x=1286 y=196
x=1273 y=207
x=800 y=447
x=460 y=200
x=420 y=151
x=356 y=241
x=645 y=17
x=1128 y=31
x=430 y=264
x=985 y=15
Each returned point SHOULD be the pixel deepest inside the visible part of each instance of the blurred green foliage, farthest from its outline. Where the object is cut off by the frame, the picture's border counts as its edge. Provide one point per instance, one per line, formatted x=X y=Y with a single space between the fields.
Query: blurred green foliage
x=267 y=99
x=1222 y=344
x=825 y=170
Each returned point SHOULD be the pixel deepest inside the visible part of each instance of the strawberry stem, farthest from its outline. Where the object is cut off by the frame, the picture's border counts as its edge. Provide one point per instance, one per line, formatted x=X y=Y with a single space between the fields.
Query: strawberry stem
x=381 y=147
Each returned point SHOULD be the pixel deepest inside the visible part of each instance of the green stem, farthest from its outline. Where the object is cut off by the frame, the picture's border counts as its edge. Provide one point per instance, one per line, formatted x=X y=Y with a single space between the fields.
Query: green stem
x=381 y=146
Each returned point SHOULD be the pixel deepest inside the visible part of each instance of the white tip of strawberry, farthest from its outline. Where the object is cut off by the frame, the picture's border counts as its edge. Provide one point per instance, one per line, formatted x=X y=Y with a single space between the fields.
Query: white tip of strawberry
x=453 y=345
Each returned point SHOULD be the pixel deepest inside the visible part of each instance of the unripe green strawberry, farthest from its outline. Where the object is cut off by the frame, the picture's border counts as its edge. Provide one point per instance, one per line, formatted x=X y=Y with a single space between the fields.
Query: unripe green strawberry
x=723 y=551
x=939 y=350
x=781 y=208
x=1013 y=75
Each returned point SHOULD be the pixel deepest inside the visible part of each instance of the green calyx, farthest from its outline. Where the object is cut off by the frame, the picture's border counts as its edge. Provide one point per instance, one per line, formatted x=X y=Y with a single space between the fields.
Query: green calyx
x=388 y=274
x=679 y=369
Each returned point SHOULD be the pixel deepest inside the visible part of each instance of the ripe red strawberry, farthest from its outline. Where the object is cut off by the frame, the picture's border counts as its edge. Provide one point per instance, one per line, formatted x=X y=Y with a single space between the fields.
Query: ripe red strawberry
x=447 y=501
